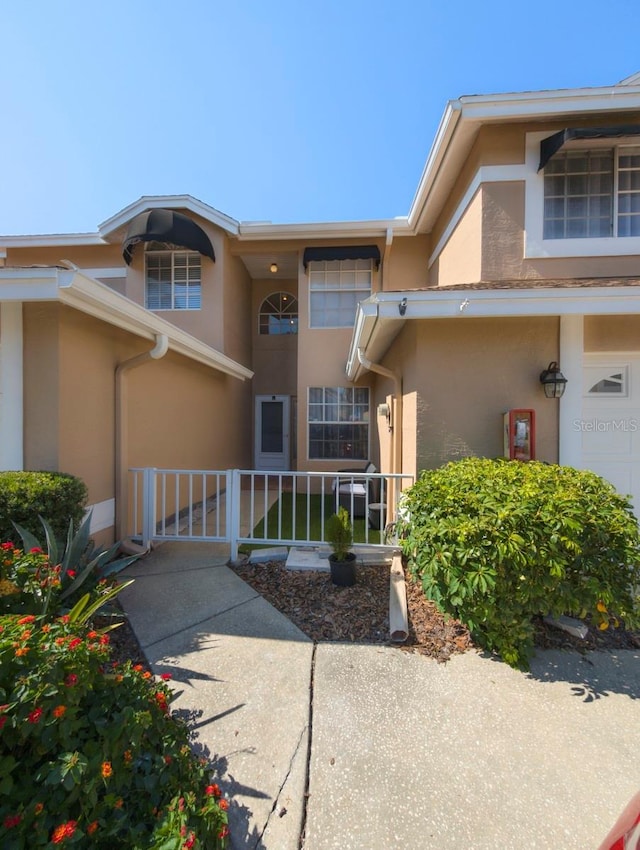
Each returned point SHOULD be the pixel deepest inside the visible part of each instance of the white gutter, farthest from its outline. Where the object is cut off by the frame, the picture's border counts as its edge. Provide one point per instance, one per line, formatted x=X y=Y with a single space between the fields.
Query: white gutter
x=396 y=425
x=121 y=450
x=76 y=289
x=325 y=230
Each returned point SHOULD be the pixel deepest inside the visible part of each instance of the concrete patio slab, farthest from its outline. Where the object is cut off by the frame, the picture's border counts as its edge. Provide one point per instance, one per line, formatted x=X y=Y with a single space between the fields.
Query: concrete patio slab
x=166 y=603
x=413 y=755
x=246 y=696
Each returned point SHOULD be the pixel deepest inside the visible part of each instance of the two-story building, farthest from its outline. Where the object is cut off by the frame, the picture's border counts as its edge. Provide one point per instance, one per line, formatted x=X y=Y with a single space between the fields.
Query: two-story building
x=175 y=336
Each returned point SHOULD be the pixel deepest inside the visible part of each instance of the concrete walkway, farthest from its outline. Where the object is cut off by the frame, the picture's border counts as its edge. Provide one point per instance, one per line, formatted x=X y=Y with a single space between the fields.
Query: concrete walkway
x=368 y=747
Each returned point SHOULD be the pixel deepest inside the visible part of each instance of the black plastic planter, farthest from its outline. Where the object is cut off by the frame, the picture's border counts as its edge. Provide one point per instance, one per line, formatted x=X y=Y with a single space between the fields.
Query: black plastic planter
x=343 y=573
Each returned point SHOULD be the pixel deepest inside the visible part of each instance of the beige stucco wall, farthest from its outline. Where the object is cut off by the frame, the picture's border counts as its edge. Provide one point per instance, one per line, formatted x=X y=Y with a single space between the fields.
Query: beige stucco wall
x=178 y=413
x=460 y=261
x=612 y=333
x=405 y=263
x=83 y=256
x=465 y=374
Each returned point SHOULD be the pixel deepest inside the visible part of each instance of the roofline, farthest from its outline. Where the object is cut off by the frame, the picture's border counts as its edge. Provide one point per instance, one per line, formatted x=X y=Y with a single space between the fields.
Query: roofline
x=152 y=202
x=382 y=309
x=523 y=106
x=75 y=289
x=325 y=229
x=51 y=240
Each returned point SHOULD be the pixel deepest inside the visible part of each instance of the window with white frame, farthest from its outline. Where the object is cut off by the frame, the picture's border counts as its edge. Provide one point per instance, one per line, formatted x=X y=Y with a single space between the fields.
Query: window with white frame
x=338 y=419
x=592 y=193
x=279 y=314
x=172 y=280
x=335 y=289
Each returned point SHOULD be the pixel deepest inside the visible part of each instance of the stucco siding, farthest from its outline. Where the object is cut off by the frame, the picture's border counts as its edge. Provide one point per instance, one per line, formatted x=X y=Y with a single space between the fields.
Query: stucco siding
x=612 y=333
x=405 y=265
x=41 y=379
x=471 y=372
x=460 y=261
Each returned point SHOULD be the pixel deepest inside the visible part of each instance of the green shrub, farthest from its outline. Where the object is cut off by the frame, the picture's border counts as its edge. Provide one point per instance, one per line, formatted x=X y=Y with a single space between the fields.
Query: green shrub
x=89 y=753
x=32 y=582
x=24 y=496
x=497 y=542
x=339 y=533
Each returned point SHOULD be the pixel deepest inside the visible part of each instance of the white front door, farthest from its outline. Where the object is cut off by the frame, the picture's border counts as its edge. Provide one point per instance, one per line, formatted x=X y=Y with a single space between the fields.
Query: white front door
x=272 y=432
x=610 y=423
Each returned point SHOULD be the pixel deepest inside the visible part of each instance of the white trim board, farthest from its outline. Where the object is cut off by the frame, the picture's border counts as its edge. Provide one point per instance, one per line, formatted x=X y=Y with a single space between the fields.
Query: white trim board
x=103 y=515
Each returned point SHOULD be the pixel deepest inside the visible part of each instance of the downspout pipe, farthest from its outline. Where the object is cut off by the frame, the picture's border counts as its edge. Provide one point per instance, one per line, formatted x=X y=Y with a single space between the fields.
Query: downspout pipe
x=121 y=436
x=396 y=458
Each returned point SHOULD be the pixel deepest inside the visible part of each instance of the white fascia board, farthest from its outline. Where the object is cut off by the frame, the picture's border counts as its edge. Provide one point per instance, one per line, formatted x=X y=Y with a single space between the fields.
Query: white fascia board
x=77 y=290
x=363 y=330
x=325 y=230
x=29 y=284
x=178 y=202
x=478 y=109
x=534 y=301
x=95 y=298
x=52 y=240
x=484 y=303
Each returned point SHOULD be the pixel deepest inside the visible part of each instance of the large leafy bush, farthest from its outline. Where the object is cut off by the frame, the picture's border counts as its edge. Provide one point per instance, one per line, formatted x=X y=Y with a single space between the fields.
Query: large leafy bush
x=24 y=496
x=497 y=542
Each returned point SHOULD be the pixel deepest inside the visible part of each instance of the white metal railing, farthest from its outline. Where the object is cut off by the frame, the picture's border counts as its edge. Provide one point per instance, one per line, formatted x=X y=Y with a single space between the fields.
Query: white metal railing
x=231 y=505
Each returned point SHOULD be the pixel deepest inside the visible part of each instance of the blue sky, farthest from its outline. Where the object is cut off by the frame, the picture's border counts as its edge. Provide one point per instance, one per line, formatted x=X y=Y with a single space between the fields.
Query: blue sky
x=281 y=111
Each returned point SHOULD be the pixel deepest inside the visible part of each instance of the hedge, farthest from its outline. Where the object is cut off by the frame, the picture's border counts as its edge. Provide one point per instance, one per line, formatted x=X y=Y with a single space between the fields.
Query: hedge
x=25 y=496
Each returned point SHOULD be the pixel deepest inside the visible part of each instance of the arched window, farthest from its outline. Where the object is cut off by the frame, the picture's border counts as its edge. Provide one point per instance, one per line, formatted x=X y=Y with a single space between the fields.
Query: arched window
x=279 y=314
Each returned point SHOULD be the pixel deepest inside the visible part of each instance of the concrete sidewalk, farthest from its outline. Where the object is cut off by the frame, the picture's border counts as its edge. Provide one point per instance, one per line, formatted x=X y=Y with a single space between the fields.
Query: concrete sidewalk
x=372 y=748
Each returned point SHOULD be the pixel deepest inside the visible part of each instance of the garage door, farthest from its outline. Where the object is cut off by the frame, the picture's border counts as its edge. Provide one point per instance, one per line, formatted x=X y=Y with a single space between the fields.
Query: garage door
x=610 y=423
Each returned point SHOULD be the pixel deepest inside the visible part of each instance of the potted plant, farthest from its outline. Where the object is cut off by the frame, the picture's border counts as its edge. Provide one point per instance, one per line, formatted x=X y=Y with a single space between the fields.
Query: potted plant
x=342 y=560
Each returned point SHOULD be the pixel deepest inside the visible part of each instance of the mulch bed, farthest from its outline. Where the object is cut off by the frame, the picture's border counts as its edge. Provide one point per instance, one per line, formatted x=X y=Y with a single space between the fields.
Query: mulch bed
x=360 y=614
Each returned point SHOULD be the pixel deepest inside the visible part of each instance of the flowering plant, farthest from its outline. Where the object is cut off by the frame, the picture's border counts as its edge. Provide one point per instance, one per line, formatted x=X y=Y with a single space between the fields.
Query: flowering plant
x=89 y=752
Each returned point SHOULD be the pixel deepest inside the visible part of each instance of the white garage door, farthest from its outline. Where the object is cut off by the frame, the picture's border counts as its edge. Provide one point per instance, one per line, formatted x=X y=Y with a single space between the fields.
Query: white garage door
x=610 y=424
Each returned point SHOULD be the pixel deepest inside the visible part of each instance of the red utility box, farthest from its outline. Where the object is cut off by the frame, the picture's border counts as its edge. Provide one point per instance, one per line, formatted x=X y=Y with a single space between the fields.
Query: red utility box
x=520 y=434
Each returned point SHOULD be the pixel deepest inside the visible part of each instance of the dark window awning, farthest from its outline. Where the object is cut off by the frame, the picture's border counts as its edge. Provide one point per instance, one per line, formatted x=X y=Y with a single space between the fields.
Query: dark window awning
x=552 y=144
x=166 y=226
x=342 y=252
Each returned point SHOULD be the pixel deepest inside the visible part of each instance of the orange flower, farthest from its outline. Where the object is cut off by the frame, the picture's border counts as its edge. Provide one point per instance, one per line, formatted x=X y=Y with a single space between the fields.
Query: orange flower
x=224 y=805
x=107 y=770
x=22 y=651
x=118 y=803
x=59 y=711
x=213 y=790
x=65 y=830
x=46 y=628
x=146 y=675
x=127 y=757
x=28 y=619
x=92 y=827
x=38 y=808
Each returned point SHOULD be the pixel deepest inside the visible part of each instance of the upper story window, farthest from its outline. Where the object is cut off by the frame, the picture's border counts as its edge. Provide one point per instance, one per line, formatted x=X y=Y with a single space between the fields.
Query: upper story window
x=335 y=289
x=279 y=314
x=592 y=193
x=172 y=280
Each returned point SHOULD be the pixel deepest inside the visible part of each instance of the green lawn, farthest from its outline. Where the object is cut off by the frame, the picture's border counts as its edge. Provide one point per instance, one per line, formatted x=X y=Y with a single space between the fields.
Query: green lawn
x=312 y=508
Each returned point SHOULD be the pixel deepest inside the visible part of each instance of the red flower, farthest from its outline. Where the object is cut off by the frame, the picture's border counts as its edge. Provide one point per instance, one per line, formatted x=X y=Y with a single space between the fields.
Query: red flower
x=74 y=642
x=12 y=820
x=92 y=827
x=3 y=720
x=6 y=546
x=38 y=808
x=191 y=840
x=64 y=618
x=223 y=832
x=166 y=676
x=71 y=573
x=65 y=830
x=213 y=790
x=104 y=639
x=35 y=715
x=71 y=680
x=224 y=805
x=28 y=619
x=36 y=551
x=92 y=635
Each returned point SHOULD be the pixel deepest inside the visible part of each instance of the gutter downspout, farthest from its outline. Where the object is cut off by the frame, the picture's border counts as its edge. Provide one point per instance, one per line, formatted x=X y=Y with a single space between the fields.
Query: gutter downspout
x=121 y=436
x=396 y=457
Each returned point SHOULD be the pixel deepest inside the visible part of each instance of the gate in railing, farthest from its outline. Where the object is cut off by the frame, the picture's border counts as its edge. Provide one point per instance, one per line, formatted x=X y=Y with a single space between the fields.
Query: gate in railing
x=246 y=506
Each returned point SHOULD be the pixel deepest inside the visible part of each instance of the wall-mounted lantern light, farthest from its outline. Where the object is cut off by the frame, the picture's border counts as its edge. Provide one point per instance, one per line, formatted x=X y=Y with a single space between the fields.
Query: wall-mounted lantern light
x=553 y=381
x=273 y=268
